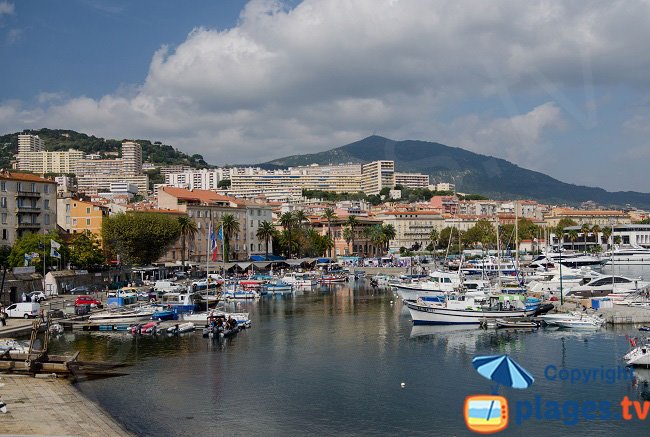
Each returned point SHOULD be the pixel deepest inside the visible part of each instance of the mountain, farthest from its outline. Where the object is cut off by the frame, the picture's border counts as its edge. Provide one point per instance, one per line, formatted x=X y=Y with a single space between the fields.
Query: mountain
x=472 y=172
x=59 y=139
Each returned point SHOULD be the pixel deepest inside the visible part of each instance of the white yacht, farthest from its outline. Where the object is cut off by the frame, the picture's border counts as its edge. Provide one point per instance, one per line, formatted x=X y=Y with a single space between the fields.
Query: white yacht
x=604 y=285
x=569 y=259
x=299 y=279
x=639 y=355
x=632 y=255
x=436 y=284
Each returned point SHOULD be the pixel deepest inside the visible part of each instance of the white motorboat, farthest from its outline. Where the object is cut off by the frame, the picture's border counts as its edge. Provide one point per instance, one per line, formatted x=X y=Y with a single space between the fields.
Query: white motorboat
x=465 y=310
x=603 y=285
x=179 y=329
x=639 y=355
x=568 y=259
x=550 y=319
x=632 y=255
x=11 y=345
x=586 y=323
x=202 y=317
x=437 y=283
x=299 y=279
x=120 y=316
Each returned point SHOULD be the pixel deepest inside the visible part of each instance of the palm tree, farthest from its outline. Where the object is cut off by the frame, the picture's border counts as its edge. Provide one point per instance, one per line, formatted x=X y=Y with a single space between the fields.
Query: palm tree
x=596 y=231
x=434 y=236
x=585 y=229
x=328 y=245
x=329 y=215
x=389 y=234
x=352 y=222
x=607 y=232
x=188 y=232
x=265 y=232
x=287 y=221
x=559 y=232
x=348 y=236
x=573 y=236
x=376 y=235
x=300 y=217
x=230 y=226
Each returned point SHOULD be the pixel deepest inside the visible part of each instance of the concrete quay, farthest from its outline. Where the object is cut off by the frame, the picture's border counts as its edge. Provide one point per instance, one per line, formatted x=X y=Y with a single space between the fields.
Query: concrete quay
x=50 y=406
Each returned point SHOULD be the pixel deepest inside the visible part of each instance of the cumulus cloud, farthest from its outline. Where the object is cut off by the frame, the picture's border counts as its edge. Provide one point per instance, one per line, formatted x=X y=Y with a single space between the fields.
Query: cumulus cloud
x=298 y=80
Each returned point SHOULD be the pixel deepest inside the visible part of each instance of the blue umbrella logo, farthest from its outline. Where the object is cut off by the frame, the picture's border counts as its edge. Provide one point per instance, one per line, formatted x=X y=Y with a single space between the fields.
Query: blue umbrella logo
x=503 y=370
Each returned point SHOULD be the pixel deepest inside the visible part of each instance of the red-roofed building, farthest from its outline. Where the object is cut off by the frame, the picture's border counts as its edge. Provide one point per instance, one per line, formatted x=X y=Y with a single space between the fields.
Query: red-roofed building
x=361 y=246
x=412 y=228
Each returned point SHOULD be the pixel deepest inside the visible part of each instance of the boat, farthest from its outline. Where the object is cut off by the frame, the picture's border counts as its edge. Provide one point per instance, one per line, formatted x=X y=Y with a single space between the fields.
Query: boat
x=331 y=278
x=605 y=285
x=183 y=327
x=251 y=284
x=644 y=328
x=55 y=329
x=567 y=259
x=632 y=255
x=147 y=328
x=639 y=355
x=510 y=323
x=240 y=294
x=582 y=323
x=111 y=317
x=299 y=279
x=12 y=345
x=163 y=314
x=178 y=302
x=489 y=266
x=278 y=287
x=437 y=283
x=550 y=319
x=202 y=317
x=465 y=310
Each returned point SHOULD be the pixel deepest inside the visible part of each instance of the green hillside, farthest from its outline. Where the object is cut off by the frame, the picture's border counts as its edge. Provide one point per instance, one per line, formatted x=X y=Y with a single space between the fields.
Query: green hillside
x=472 y=172
x=59 y=139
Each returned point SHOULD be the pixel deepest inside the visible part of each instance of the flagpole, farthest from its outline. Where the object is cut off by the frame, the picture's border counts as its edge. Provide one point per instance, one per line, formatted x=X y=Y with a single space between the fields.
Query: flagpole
x=207 y=267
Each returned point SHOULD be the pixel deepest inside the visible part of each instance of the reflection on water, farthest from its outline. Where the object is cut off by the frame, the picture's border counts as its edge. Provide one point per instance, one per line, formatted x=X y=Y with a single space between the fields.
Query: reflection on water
x=331 y=361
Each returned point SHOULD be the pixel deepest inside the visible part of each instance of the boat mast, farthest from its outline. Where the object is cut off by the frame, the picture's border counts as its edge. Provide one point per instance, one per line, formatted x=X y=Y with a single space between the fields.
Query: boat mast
x=498 y=255
x=207 y=264
x=516 y=239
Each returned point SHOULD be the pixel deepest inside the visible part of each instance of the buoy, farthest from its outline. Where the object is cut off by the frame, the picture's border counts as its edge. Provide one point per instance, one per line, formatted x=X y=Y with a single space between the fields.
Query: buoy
x=402 y=385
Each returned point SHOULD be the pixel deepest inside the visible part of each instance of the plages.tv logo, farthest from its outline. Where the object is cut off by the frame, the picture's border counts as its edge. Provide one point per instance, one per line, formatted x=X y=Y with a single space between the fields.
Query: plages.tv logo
x=487 y=414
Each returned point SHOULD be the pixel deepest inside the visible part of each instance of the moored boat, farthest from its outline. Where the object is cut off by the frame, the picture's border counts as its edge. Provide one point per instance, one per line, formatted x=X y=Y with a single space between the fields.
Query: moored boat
x=181 y=328
x=509 y=323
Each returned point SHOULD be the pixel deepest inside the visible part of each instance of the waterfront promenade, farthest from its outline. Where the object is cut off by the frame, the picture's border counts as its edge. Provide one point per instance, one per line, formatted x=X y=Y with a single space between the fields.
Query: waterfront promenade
x=50 y=406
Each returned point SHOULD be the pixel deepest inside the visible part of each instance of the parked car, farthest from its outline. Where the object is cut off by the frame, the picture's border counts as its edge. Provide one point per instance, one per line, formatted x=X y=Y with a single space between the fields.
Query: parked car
x=23 y=310
x=88 y=300
x=80 y=290
x=39 y=296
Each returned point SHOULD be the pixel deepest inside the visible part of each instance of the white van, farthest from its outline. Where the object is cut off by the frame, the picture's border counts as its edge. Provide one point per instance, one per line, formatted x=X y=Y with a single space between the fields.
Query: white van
x=167 y=287
x=23 y=310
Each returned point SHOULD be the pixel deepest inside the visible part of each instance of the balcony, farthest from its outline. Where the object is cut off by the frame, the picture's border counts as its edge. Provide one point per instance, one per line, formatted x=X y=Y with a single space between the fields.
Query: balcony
x=28 y=208
x=29 y=225
x=28 y=194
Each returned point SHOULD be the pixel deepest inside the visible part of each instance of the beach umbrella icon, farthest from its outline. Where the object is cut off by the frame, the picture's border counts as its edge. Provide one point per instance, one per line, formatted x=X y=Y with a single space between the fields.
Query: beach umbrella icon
x=503 y=370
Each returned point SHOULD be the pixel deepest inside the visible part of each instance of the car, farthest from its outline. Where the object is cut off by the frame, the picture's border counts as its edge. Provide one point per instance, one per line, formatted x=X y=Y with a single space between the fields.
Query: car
x=39 y=296
x=80 y=290
x=88 y=300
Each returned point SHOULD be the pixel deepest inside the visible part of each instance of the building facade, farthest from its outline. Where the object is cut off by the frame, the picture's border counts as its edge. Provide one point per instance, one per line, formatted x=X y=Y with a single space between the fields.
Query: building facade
x=412 y=228
x=27 y=205
x=77 y=216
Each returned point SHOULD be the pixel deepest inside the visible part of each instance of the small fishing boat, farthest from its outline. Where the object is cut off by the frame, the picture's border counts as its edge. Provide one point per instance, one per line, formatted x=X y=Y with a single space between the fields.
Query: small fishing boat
x=164 y=314
x=147 y=328
x=240 y=294
x=514 y=323
x=278 y=287
x=56 y=329
x=586 y=323
x=644 y=328
x=110 y=317
x=179 y=329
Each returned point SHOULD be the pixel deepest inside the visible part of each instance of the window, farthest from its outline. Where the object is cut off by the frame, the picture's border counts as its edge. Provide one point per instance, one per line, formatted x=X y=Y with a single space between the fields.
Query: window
x=46 y=188
x=19 y=186
x=33 y=187
x=3 y=186
x=47 y=219
x=67 y=208
x=3 y=202
x=4 y=218
x=4 y=234
x=87 y=210
x=87 y=222
x=67 y=220
x=252 y=247
x=46 y=204
x=74 y=222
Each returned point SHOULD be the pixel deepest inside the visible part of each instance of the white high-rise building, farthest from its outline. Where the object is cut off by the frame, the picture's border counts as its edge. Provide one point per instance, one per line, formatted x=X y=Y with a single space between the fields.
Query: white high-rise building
x=29 y=143
x=132 y=157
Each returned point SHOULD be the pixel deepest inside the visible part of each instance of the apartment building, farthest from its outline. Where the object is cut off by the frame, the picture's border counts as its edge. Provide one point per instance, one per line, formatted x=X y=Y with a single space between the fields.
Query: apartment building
x=206 y=207
x=32 y=157
x=377 y=175
x=27 y=205
x=590 y=217
x=76 y=216
x=97 y=175
x=361 y=246
x=411 y=227
x=412 y=180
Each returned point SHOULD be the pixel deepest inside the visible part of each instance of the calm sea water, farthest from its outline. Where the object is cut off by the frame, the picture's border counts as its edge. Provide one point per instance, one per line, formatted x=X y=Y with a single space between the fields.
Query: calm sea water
x=331 y=361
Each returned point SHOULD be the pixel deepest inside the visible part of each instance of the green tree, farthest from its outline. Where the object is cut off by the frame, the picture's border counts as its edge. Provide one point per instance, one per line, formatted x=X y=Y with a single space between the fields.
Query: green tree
x=433 y=237
x=376 y=235
x=595 y=229
x=348 y=236
x=224 y=184
x=585 y=229
x=188 y=230
x=230 y=226
x=352 y=223
x=140 y=238
x=266 y=231
x=573 y=237
x=85 y=251
x=389 y=234
x=287 y=221
x=329 y=215
x=607 y=232
x=38 y=244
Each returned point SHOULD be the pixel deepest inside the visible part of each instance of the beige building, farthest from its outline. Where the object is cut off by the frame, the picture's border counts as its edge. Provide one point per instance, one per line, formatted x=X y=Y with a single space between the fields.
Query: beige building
x=96 y=175
x=411 y=227
x=206 y=207
x=33 y=158
x=589 y=217
x=377 y=175
x=27 y=205
x=412 y=180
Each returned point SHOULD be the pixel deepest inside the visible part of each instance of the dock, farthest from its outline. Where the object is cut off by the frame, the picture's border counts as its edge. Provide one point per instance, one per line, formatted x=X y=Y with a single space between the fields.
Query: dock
x=51 y=406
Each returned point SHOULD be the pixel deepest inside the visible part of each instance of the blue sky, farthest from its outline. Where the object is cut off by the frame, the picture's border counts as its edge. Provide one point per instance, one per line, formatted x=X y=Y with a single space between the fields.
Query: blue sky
x=558 y=87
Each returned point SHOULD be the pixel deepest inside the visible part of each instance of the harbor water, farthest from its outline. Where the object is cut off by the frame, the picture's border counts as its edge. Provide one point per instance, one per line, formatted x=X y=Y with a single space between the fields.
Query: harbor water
x=346 y=360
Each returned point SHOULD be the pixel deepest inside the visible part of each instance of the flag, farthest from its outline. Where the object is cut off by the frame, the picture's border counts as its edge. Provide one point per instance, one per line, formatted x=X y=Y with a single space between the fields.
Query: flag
x=55 y=245
x=54 y=253
x=213 y=243
x=220 y=236
x=28 y=258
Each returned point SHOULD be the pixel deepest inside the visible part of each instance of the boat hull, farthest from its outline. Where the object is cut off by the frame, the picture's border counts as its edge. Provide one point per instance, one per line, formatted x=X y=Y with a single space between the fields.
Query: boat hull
x=430 y=315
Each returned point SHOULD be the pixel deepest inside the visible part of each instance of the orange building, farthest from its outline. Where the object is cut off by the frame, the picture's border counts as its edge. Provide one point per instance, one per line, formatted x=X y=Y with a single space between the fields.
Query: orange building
x=76 y=216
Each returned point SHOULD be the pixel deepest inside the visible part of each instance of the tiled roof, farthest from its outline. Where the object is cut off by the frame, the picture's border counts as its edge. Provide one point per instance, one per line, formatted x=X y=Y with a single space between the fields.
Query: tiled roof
x=27 y=177
x=202 y=196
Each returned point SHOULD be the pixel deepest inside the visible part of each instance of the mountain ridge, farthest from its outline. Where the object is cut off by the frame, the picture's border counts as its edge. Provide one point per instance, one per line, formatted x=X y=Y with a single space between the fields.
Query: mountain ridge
x=471 y=172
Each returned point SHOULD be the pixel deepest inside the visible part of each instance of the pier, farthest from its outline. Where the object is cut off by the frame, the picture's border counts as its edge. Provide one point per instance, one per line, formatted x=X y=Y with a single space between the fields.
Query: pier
x=51 y=406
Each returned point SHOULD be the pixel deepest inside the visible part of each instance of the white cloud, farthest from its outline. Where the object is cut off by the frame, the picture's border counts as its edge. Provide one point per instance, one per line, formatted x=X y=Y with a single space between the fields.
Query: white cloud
x=324 y=73
x=6 y=8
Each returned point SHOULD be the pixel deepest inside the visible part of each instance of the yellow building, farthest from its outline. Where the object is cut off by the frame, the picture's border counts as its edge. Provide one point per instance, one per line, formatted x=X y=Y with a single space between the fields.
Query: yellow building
x=590 y=217
x=76 y=216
